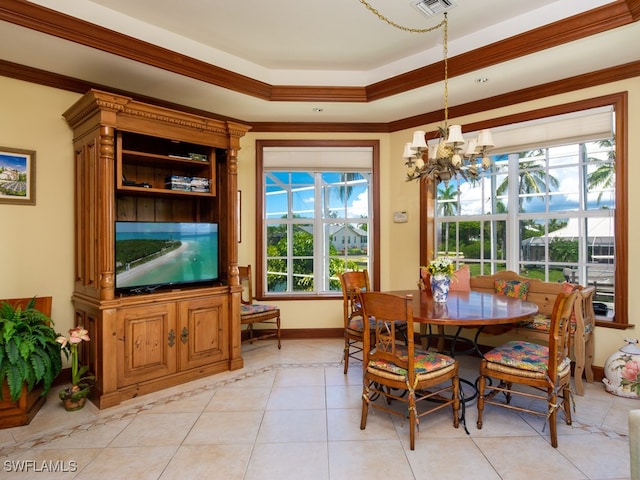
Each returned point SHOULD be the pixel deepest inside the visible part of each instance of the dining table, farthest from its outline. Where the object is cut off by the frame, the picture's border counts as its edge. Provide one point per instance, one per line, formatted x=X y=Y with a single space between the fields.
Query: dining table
x=467 y=309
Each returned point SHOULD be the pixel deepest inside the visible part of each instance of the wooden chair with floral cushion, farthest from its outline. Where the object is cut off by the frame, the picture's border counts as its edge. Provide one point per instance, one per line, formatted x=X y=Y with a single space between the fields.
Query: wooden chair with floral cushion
x=546 y=368
x=395 y=370
x=252 y=313
x=353 y=283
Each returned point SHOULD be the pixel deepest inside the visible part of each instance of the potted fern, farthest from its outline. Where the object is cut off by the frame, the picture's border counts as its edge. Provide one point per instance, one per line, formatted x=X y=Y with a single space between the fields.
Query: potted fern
x=30 y=360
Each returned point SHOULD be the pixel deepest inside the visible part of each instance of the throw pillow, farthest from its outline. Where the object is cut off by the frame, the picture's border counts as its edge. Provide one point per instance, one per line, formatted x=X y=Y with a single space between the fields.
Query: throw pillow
x=512 y=288
x=461 y=281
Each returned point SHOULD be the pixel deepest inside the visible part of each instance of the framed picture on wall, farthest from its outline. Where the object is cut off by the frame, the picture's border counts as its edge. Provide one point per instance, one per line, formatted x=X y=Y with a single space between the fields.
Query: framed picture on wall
x=17 y=176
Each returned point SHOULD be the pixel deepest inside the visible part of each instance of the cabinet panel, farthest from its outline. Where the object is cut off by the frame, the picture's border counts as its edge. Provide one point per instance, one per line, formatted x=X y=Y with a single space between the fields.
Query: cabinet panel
x=148 y=345
x=203 y=334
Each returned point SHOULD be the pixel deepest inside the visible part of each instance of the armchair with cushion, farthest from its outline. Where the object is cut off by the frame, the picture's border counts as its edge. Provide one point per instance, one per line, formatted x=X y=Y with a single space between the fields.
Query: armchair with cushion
x=252 y=313
x=546 y=368
x=353 y=283
x=394 y=370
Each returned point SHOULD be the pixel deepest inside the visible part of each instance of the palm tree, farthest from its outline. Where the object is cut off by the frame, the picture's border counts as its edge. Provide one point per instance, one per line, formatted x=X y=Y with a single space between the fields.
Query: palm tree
x=531 y=180
x=603 y=176
x=447 y=208
x=346 y=188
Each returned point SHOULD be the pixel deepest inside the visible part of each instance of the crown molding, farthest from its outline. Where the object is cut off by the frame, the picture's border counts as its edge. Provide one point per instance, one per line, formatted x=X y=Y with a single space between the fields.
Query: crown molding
x=599 y=77
x=44 y=20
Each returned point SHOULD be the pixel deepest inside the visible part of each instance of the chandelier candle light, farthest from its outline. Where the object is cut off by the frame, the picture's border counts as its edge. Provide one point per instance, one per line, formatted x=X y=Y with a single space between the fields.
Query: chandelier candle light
x=445 y=160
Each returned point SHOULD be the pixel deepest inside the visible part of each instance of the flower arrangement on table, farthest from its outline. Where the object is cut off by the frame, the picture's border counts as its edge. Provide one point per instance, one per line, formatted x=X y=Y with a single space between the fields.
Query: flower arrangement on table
x=441 y=266
x=80 y=382
x=441 y=270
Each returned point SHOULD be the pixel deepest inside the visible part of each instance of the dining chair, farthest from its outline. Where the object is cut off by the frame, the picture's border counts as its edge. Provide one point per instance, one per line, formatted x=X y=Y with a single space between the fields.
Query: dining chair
x=353 y=283
x=395 y=370
x=546 y=368
x=252 y=312
x=583 y=337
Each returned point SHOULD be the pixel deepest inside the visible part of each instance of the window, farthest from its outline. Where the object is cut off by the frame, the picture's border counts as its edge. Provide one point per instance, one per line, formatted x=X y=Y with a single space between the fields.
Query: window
x=317 y=208
x=548 y=209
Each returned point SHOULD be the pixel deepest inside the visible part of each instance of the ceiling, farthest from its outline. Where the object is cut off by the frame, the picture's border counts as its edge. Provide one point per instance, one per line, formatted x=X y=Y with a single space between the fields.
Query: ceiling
x=307 y=61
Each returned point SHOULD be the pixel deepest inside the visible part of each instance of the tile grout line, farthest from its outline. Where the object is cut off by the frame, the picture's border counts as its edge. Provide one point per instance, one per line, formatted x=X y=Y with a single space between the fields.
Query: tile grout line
x=144 y=407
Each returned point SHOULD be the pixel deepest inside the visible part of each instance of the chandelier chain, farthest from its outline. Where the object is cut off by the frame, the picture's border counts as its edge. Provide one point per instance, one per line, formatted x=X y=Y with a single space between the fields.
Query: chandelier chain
x=444 y=24
x=400 y=27
x=446 y=160
x=445 y=49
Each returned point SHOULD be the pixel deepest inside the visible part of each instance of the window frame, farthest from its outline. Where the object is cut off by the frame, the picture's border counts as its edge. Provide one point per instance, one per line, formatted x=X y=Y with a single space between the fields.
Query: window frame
x=374 y=271
x=619 y=102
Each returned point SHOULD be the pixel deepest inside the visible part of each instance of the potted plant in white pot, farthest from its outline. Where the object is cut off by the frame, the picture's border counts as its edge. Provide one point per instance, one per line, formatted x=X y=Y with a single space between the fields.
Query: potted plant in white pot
x=30 y=360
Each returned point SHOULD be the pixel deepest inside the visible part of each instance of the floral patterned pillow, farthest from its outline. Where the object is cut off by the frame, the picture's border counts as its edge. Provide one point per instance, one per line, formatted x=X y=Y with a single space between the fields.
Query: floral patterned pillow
x=512 y=288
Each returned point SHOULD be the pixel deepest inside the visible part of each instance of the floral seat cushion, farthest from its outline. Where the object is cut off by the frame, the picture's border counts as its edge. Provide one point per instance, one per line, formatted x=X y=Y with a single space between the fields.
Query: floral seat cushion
x=246 y=310
x=357 y=325
x=542 y=323
x=426 y=362
x=523 y=356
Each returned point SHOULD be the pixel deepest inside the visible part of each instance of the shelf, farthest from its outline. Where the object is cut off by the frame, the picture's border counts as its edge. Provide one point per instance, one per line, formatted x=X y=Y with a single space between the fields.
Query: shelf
x=153 y=158
x=165 y=192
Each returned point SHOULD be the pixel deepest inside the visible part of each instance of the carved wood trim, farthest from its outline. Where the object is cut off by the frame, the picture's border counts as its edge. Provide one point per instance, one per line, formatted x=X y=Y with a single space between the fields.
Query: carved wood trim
x=63 y=26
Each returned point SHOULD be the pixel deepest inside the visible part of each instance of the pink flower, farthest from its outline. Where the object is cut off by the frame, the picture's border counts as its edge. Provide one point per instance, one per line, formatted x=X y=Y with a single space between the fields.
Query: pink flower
x=78 y=334
x=631 y=370
x=62 y=341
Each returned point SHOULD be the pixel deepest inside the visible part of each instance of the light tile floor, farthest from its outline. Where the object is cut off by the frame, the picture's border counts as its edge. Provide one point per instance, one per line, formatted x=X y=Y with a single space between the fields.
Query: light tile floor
x=293 y=414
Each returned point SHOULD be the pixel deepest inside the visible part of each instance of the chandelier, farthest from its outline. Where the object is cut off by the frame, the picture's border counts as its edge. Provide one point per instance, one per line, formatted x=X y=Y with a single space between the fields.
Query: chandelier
x=446 y=158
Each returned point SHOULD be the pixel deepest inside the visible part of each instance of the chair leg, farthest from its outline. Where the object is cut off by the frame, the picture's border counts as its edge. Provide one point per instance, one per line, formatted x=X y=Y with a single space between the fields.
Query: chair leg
x=481 y=384
x=278 y=331
x=346 y=355
x=250 y=332
x=579 y=353
x=456 y=401
x=589 y=348
x=365 y=406
x=553 y=417
x=566 y=403
x=412 y=421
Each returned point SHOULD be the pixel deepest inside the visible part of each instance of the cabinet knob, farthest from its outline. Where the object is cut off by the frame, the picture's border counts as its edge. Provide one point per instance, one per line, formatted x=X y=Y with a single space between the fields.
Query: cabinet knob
x=172 y=338
x=184 y=335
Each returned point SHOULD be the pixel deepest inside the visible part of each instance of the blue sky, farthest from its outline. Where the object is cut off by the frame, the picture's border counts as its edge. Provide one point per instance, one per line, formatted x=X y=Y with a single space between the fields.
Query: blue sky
x=17 y=162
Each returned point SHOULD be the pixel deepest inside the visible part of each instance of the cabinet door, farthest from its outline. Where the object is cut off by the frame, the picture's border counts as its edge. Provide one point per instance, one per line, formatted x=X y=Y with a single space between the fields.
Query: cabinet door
x=149 y=341
x=203 y=335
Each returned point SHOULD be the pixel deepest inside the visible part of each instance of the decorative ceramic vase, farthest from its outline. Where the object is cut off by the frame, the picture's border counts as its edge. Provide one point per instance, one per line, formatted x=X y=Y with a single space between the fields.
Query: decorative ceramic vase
x=622 y=371
x=71 y=405
x=440 y=287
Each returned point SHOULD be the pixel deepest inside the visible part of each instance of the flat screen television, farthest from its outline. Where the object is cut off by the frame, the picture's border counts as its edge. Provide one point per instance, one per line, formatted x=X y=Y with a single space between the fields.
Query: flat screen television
x=153 y=255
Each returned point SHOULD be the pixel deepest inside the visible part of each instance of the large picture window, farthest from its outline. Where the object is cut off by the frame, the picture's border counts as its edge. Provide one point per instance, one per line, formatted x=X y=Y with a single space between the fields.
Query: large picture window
x=546 y=210
x=317 y=207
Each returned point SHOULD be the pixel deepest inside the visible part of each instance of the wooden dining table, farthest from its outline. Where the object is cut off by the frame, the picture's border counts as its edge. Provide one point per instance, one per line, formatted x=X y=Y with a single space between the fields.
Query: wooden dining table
x=468 y=309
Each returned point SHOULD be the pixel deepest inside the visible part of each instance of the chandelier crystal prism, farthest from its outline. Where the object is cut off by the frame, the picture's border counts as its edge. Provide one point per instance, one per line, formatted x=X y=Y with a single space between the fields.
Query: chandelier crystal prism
x=446 y=158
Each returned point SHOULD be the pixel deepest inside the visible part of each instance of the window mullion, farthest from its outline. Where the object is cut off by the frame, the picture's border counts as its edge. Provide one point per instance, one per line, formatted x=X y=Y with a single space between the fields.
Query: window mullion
x=513 y=214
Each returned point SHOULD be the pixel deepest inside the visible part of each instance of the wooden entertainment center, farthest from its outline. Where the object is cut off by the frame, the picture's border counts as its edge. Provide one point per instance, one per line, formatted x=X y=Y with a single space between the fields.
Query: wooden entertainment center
x=126 y=155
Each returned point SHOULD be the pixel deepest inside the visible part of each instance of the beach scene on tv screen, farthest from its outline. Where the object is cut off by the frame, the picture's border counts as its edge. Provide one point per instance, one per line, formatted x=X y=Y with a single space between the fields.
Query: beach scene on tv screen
x=165 y=253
